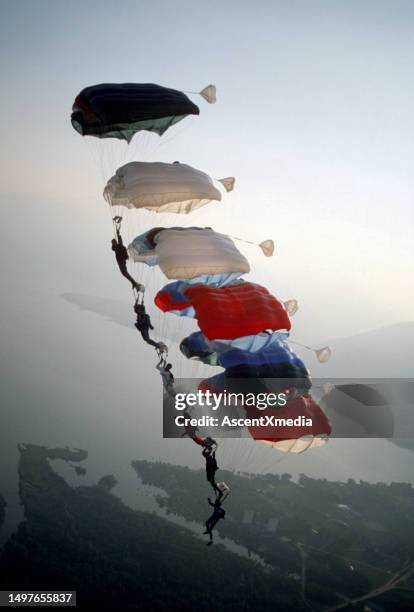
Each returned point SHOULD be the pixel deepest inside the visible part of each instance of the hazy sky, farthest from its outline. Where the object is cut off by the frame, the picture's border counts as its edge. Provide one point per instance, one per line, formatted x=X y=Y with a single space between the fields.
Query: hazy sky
x=314 y=117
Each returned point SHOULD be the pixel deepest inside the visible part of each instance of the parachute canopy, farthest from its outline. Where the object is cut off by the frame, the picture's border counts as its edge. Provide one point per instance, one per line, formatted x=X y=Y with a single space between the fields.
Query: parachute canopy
x=111 y=110
x=363 y=410
x=240 y=309
x=284 y=438
x=187 y=253
x=253 y=343
x=277 y=353
x=196 y=346
x=298 y=445
x=160 y=187
x=297 y=436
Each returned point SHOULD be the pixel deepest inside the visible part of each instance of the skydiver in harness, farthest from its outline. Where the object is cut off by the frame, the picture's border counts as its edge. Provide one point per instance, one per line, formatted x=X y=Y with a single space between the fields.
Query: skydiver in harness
x=143 y=325
x=121 y=255
x=211 y=522
x=167 y=376
x=191 y=430
x=209 y=454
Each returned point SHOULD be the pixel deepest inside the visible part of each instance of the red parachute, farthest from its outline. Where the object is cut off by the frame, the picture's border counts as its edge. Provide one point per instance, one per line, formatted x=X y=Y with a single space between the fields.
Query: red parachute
x=242 y=309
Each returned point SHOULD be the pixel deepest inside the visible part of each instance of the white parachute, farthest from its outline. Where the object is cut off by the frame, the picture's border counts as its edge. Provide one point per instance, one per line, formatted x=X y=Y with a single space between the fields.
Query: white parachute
x=184 y=253
x=161 y=187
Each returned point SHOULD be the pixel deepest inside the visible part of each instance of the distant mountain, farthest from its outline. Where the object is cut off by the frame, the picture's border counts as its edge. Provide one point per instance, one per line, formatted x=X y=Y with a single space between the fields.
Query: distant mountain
x=380 y=353
x=113 y=310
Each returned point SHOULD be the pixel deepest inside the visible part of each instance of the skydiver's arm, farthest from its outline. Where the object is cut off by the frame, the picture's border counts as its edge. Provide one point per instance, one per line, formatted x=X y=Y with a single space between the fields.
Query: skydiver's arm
x=119 y=237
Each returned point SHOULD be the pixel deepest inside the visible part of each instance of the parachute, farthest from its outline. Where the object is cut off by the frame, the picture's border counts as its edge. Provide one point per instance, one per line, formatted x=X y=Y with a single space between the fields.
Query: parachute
x=160 y=187
x=301 y=436
x=197 y=346
x=188 y=253
x=311 y=428
x=358 y=410
x=111 y=110
x=239 y=309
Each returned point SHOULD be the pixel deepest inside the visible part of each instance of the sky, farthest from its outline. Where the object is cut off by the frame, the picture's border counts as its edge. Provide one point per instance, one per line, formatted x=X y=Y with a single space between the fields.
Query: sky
x=314 y=118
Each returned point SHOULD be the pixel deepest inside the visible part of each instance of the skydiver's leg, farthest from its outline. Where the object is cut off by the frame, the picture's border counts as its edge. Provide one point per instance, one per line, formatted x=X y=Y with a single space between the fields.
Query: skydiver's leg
x=212 y=481
x=145 y=336
x=153 y=343
x=212 y=523
x=124 y=271
x=209 y=526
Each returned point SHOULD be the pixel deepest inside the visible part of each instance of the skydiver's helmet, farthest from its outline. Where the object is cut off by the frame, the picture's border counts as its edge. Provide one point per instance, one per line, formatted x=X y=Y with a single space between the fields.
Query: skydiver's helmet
x=210 y=443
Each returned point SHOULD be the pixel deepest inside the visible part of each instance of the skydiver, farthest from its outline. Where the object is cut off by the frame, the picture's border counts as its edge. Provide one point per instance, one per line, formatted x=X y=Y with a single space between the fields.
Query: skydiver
x=143 y=325
x=121 y=255
x=210 y=443
x=211 y=468
x=218 y=513
x=167 y=376
x=191 y=430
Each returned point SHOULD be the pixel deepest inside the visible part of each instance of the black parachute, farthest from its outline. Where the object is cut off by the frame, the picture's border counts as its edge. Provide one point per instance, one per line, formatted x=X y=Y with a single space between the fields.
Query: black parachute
x=119 y=111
